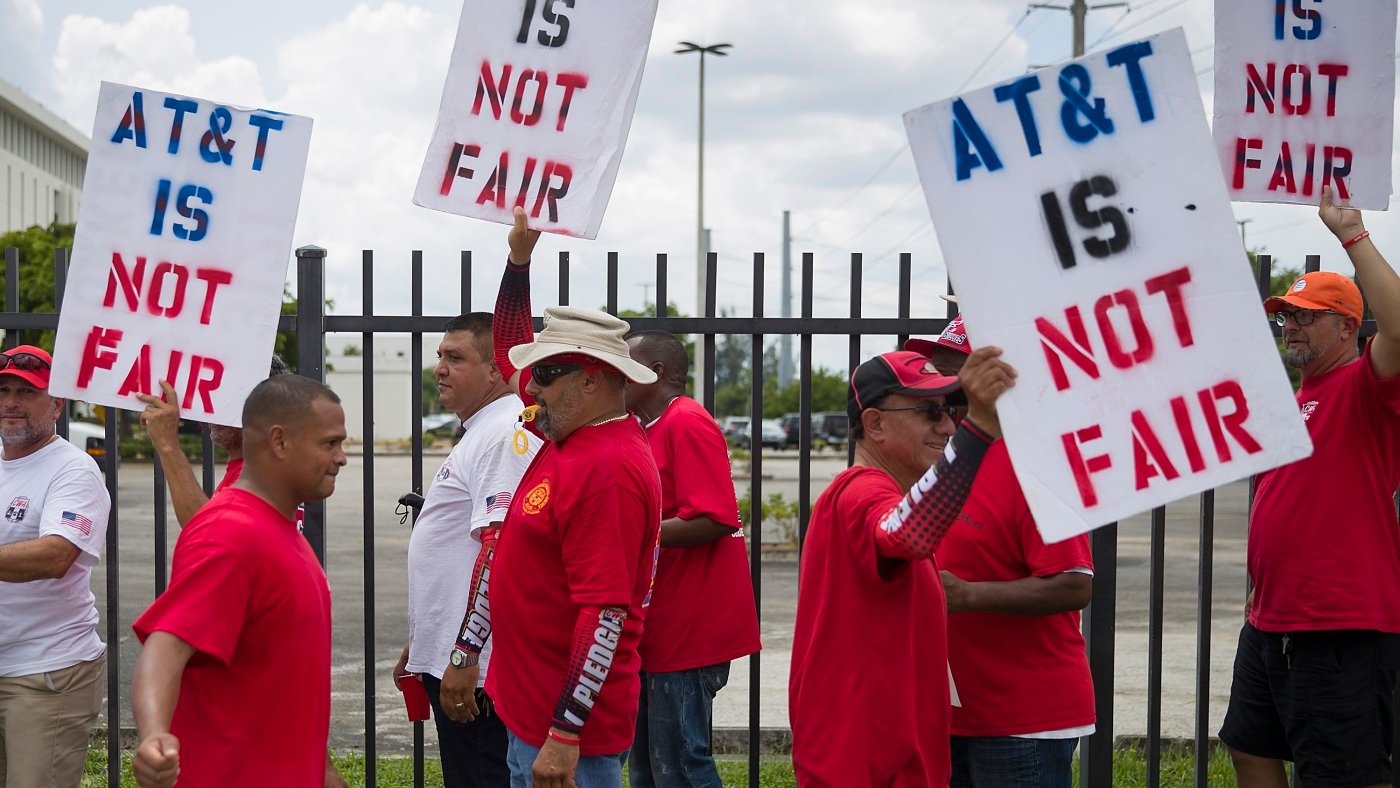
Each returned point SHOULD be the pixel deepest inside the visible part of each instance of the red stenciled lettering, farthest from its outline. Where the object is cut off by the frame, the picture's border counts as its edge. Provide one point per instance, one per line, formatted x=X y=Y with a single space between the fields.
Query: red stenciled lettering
x=163 y=271
x=212 y=278
x=95 y=355
x=1058 y=347
x=1242 y=160
x=569 y=82
x=1084 y=468
x=1262 y=88
x=1142 y=338
x=201 y=385
x=1303 y=104
x=489 y=87
x=1149 y=457
x=541 y=79
x=1233 y=422
x=454 y=168
x=130 y=282
x=1182 y=416
x=1170 y=285
x=139 y=376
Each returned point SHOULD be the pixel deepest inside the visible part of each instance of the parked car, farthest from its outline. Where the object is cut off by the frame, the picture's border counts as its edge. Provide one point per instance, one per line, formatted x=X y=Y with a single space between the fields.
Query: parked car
x=733 y=427
x=830 y=427
x=792 y=435
x=440 y=422
x=770 y=433
x=91 y=438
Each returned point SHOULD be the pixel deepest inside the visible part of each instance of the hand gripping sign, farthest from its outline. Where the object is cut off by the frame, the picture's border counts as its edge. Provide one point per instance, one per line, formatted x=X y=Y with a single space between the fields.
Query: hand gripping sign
x=181 y=251
x=1304 y=98
x=1083 y=220
x=535 y=111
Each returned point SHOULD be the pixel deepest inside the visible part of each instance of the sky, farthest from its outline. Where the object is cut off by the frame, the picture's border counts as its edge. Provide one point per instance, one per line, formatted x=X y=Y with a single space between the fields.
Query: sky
x=804 y=115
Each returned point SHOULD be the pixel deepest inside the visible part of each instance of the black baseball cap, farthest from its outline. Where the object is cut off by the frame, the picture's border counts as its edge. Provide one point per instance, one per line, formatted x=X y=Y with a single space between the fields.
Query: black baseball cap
x=896 y=372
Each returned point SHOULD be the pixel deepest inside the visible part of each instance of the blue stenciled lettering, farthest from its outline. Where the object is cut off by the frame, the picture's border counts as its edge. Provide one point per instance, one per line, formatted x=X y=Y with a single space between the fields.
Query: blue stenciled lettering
x=200 y=217
x=1075 y=86
x=264 y=124
x=213 y=148
x=1017 y=93
x=965 y=132
x=177 y=124
x=133 y=125
x=1130 y=58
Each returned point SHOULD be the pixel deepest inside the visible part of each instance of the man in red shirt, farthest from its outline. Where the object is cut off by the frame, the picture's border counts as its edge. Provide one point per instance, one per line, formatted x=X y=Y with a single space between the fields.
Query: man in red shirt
x=868 y=695
x=569 y=581
x=1015 y=647
x=1316 y=665
x=233 y=684
x=702 y=611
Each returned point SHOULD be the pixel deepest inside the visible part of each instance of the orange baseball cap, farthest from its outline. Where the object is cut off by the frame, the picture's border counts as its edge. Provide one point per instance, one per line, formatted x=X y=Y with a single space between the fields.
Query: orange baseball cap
x=1320 y=290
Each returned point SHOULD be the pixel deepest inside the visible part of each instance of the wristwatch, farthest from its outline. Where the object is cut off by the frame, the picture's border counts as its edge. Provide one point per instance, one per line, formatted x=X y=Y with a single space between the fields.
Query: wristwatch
x=463 y=659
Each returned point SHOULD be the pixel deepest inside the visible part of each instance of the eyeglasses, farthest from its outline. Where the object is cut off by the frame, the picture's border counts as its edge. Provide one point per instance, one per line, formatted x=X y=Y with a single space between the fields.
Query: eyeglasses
x=545 y=374
x=932 y=411
x=26 y=362
x=1303 y=317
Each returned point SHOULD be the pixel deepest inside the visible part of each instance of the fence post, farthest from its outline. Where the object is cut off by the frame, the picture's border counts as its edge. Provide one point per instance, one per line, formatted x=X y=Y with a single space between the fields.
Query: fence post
x=311 y=361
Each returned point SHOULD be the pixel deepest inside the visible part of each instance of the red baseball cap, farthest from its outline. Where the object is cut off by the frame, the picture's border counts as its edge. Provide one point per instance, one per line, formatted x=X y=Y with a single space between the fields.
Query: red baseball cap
x=954 y=337
x=1325 y=290
x=897 y=372
x=38 y=377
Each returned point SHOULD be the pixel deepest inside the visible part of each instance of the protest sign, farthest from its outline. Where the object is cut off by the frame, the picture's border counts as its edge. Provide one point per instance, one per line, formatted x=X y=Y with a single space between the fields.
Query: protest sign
x=181 y=251
x=1083 y=221
x=1305 y=97
x=535 y=111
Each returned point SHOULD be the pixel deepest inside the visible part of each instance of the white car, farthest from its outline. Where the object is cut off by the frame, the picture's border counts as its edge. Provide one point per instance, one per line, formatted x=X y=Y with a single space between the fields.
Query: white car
x=91 y=438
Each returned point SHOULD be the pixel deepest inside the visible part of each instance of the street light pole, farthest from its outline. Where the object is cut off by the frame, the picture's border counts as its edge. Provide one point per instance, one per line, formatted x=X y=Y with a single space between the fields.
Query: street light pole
x=700 y=250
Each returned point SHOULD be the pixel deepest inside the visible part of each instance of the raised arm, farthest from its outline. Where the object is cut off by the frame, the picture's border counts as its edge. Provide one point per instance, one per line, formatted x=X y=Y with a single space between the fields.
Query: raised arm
x=1379 y=282
x=161 y=418
x=511 y=323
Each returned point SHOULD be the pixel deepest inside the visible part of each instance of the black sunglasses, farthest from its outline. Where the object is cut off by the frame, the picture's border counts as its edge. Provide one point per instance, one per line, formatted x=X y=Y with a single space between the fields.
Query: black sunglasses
x=934 y=412
x=1303 y=317
x=26 y=362
x=545 y=374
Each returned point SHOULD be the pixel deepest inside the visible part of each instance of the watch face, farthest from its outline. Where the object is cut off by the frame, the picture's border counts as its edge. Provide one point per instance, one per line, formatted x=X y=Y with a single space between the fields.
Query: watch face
x=458 y=659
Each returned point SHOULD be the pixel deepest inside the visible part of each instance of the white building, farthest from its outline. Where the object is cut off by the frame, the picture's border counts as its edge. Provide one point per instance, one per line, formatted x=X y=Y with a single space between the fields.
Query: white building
x=394 y=381
x=43 y=160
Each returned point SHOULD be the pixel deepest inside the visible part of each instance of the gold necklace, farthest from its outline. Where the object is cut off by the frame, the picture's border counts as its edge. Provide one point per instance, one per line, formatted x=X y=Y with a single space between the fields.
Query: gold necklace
x=608 y=419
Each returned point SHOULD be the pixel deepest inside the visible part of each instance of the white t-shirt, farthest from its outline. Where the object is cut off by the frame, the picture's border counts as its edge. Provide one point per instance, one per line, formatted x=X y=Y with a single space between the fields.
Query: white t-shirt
x=472 y=489
x=51 y=624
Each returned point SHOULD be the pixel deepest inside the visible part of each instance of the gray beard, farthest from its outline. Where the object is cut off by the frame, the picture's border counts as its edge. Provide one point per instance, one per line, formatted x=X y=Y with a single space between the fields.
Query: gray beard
x=1298 y=359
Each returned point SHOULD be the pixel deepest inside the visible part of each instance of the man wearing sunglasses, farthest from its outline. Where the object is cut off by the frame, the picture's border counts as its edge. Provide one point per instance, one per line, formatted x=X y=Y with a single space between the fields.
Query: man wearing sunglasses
x=869 y=693
x=1015 y=646
x=702 y=614
x=571 y=575
x=56 y=507
x=1315 y=669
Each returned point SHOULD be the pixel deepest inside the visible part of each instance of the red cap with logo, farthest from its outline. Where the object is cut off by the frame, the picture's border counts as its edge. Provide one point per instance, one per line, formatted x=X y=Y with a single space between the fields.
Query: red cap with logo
x=954 y=338
x=28 y=363
x=897 y=372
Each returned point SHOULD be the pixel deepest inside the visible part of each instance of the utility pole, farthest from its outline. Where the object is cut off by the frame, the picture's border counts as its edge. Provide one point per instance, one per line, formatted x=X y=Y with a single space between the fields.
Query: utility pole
x=785 y=339
x=1079 y=11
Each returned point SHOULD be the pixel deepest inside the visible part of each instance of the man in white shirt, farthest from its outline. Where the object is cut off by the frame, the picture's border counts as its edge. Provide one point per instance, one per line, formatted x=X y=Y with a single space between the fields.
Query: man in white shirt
x=469 y=497
x=56 y=507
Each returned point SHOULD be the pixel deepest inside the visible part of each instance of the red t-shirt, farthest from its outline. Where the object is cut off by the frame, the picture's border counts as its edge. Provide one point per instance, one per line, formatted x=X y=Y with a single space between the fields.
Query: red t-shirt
x=232 y=471
x=581 y=530
x=868 y=691
x=1324 y=545
x=702 y=609
x=1014 y=674
x=255 y=699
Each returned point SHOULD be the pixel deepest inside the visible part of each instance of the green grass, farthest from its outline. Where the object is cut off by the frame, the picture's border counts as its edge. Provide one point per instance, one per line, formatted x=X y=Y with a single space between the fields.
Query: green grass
x=1129 y=770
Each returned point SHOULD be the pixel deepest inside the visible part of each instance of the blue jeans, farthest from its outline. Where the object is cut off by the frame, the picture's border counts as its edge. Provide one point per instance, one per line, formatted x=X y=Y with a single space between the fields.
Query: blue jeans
x=473 y=753
x=594 y=771
x=1010 y=762
x=672 y=747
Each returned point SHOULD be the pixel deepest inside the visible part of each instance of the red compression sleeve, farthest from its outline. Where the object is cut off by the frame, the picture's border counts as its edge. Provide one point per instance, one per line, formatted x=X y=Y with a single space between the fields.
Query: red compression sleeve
x=597 y=632
x=916 y=526
x=511 y=323
x=476 y=626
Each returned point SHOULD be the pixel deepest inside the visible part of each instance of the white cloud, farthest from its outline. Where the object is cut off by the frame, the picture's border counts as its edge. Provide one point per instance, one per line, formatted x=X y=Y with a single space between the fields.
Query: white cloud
x=153 y=49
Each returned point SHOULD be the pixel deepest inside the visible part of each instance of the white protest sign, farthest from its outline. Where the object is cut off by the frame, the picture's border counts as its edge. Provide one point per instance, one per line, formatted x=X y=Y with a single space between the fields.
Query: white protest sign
x=535 y=111
x=181 y=252
x=1305 y=97
x=1083 y=220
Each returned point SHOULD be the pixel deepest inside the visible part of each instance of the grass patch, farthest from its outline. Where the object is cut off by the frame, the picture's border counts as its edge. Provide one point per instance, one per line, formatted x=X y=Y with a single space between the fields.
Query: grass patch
x=1129 y=770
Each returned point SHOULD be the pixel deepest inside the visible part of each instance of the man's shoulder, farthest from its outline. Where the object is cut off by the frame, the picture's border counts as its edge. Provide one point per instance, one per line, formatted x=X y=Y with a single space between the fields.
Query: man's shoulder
x=494 y=423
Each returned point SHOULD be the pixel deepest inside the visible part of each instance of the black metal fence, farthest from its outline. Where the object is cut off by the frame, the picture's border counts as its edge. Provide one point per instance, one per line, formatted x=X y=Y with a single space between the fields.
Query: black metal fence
x=311 y=324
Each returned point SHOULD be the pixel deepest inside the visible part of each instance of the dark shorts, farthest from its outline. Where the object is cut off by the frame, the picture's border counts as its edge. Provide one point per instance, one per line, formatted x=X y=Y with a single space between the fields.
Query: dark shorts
x=1324 y=700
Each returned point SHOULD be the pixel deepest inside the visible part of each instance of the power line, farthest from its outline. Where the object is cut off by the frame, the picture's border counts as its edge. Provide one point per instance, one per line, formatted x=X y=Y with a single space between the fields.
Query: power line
x=1140 y=22
x=859 y=189
x=994 y=51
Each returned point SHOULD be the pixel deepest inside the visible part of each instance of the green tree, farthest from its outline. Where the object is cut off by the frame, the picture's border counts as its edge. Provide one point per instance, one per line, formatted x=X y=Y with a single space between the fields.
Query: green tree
x=36 y=272
x=649 y=310
x=431 y=403
x=828 y=393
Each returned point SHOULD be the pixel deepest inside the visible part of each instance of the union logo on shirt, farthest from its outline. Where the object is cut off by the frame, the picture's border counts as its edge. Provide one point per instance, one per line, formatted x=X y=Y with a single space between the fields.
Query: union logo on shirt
x=15 y=511
x=1307 y=410
x=537 y=498
x=446 y=470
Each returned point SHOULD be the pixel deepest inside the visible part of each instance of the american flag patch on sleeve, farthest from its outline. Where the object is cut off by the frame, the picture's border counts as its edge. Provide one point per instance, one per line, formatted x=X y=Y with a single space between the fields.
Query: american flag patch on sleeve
x=499 y=502
x=77 y=521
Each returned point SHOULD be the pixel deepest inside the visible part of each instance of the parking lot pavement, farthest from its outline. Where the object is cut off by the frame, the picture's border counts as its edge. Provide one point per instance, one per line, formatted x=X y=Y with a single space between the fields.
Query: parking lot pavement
x=384 y=615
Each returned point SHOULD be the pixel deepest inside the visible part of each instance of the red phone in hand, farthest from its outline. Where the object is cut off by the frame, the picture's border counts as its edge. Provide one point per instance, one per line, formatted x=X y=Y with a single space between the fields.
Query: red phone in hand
x=415 y=697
